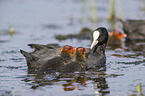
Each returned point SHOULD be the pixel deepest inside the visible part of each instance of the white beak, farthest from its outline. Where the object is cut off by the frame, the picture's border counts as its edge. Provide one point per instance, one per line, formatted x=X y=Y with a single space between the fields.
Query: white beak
x=95 y=37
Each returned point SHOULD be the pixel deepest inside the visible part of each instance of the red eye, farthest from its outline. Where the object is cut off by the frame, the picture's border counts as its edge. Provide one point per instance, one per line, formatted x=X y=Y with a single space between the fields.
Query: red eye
x=100 y=36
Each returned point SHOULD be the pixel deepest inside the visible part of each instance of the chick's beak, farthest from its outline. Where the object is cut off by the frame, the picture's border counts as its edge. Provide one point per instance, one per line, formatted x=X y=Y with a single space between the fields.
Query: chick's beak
x=124 y=35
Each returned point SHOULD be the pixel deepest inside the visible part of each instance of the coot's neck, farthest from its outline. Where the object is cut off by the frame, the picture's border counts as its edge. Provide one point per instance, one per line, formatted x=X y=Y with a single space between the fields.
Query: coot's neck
x=100 y=48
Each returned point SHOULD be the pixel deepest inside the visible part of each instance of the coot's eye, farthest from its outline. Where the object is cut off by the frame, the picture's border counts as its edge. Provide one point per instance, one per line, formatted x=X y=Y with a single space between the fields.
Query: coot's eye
x=100 y=36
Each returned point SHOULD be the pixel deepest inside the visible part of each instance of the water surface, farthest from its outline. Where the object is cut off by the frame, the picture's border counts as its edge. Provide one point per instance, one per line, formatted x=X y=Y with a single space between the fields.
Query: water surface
x=37 y=21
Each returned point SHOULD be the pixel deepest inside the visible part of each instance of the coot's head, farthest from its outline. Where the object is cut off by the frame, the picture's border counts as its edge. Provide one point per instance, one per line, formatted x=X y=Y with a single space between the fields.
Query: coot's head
x=100 y=37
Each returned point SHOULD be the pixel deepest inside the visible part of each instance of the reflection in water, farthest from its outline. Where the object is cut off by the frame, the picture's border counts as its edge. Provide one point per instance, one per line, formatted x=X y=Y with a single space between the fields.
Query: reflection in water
x=137 y=46
x=100 y=85
x=70 y=81
x=69 y=86
x=74 y=81
x=134 y=52
x=3 y=41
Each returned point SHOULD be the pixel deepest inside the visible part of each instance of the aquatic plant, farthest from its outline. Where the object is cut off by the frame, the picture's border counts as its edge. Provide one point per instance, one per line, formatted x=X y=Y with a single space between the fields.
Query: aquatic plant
x=84 y=10
x=121 y=14
x=112 y=16
x=143 y=6
x=139 y=89
x=94 y=11
x=112 y=10
x=11 y=30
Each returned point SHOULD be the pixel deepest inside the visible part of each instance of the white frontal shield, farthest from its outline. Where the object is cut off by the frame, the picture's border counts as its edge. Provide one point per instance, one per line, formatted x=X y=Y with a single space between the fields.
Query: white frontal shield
x=95 y=38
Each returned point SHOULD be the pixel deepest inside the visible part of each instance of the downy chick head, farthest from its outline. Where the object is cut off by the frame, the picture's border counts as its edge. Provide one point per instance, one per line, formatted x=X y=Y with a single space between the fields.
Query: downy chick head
x=118 y=35
x=68 y=51
x=80 y=54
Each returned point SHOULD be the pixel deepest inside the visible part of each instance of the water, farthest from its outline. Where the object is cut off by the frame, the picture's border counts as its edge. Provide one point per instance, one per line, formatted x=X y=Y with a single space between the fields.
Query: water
x=37 y=21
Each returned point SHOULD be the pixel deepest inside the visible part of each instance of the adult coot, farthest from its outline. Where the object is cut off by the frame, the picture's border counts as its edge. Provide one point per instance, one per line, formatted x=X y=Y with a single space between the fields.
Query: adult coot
x=96 y=56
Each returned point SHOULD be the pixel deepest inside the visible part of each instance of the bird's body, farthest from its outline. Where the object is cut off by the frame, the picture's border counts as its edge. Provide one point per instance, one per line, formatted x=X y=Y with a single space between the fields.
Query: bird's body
x=96 y=56
x=66 y=55
x=135 y=30
x=47 y=57
x=41 y=55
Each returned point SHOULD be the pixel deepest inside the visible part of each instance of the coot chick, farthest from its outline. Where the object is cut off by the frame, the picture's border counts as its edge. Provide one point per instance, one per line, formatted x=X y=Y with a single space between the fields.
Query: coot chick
x=115 y=39
x=96 y=56
x=66 y=55
x=78 y=64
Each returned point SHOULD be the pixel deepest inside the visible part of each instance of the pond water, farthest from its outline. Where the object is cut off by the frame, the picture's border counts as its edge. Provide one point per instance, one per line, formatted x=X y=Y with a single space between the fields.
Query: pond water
x=38 y=21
